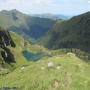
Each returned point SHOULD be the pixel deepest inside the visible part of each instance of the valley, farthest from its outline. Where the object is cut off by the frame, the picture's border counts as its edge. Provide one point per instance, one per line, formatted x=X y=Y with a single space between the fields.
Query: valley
x=50 y=54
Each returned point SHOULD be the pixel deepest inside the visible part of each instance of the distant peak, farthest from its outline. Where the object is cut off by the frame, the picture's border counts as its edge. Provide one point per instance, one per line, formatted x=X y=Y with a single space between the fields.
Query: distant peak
x=12 y=11
x=4 y=11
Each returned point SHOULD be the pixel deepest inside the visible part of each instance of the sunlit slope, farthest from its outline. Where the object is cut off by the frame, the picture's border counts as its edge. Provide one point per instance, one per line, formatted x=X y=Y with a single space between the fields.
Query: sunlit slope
x=67 y=73
x=17 y=51
x=23 y=45
x=27 y=26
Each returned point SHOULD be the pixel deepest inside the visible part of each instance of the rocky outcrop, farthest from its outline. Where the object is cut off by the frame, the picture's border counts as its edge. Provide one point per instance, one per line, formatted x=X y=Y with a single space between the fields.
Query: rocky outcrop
x=6 y=40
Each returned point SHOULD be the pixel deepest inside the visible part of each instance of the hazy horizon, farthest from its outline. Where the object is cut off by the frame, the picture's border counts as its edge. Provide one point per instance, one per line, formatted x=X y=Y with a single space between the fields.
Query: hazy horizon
x=63 y=7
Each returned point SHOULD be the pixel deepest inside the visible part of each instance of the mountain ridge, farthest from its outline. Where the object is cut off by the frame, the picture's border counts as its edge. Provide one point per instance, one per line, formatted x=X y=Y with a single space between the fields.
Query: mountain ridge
x=73 y=33
x=25 y=24
x=51 y=16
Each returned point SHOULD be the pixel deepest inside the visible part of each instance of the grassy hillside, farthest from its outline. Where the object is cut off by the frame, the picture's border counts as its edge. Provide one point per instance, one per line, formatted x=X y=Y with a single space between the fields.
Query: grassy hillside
x=23 y=45
x=67 y=73
x=73 y=33
x=25 y=25
x=35 y=51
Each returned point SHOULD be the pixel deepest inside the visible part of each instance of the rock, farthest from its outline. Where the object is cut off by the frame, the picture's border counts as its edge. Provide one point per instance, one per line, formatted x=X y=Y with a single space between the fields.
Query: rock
x=58 y=67
x=6 y=40
x=70 y=54
x=51 y=64
x=9 y=58
x=22 y=68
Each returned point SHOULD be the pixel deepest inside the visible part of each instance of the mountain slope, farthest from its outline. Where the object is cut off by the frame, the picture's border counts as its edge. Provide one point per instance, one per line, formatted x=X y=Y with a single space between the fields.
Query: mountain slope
x=67 y=73
x=16 y=52
x=23 y=52
x=73 y=33
x=25 y=25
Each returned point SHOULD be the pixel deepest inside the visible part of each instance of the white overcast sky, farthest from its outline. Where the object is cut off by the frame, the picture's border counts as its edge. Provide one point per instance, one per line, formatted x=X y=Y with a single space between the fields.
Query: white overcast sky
x=66 y=7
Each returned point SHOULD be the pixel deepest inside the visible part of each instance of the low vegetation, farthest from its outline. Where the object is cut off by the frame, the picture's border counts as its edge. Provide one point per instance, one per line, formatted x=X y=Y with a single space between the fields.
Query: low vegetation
x=66 y=73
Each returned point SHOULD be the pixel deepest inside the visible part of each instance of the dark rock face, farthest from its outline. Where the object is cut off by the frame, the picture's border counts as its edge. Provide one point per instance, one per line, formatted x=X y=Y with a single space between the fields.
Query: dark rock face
x=6 y=40
x=8 y=56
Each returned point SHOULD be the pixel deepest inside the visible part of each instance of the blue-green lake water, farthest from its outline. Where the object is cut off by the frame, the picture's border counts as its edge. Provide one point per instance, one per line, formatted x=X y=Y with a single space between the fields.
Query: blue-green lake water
x=32 y=56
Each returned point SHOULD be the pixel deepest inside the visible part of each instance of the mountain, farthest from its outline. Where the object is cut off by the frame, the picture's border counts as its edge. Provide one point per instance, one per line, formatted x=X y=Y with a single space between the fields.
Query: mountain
x=6 y=55
x=16 y=51
x=11 y=46
x=39 y=68
x=51 y=16
x=73 y=33
x=53 y=70
x=27 y=26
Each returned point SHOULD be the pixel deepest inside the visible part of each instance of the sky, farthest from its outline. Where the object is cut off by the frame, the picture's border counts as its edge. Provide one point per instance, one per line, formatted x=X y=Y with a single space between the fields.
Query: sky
x=65 y=7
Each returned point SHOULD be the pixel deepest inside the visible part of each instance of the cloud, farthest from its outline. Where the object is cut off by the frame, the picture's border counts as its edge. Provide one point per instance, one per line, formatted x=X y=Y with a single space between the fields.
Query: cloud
x=26 y=5
x=46 y=6
x=27 y=2
x=29 y=6
x=89 y=1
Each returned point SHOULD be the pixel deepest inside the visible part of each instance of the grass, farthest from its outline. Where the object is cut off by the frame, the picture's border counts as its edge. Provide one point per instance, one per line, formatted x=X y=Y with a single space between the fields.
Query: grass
x=21 y=46
x=73 y=74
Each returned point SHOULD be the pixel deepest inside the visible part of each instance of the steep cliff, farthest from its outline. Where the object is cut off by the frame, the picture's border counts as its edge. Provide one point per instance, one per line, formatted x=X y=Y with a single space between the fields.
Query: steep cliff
x=5 y=41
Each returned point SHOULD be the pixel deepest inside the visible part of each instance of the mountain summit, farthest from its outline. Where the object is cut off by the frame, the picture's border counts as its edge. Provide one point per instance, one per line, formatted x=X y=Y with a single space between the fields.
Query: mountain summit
x=51 y=16
x=27 y=26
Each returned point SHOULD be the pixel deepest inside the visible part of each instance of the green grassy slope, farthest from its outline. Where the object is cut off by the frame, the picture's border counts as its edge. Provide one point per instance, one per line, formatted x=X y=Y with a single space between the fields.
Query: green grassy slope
x=17 y=51
x=12 y=18
x=67 y=73
x=25 y=25
x=21 y=46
